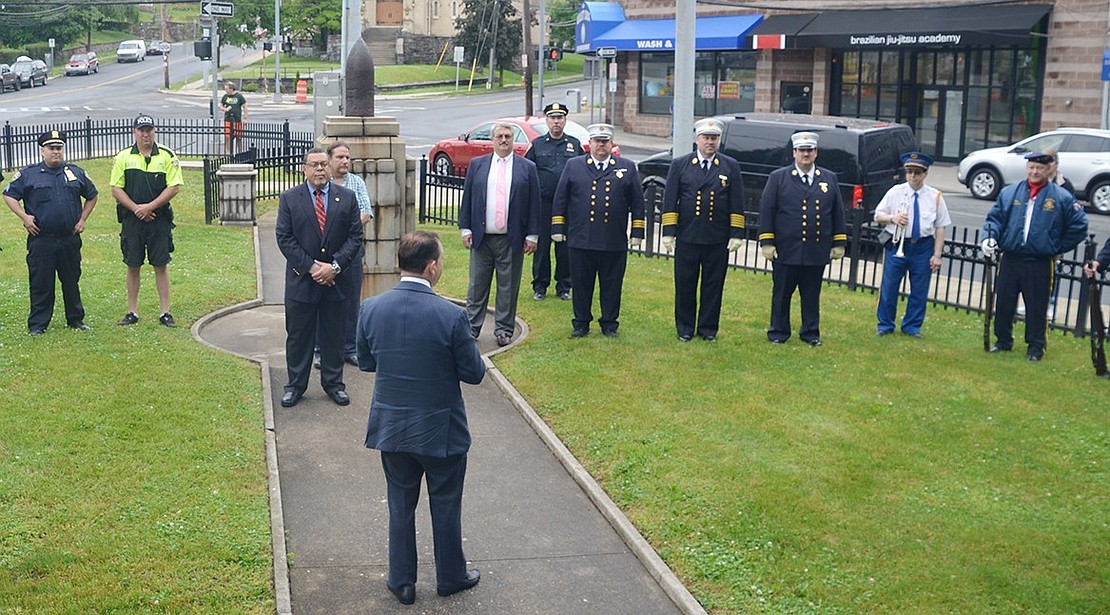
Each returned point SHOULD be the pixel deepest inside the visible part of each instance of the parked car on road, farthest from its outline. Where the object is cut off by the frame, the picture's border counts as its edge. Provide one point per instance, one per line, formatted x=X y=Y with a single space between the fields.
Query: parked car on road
x=156 y=48
x=455 y=154
x=83 y=64
x=30 y=71
x=1084 y=159
x=131 y=51
x=864 y=154
x=8 y=79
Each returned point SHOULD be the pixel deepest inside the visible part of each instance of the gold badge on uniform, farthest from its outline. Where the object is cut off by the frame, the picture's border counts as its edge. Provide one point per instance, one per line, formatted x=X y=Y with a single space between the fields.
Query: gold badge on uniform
x=69 y=175
x=1050 y=204
x=724 y=180
x=620 y=173
x=824 y=186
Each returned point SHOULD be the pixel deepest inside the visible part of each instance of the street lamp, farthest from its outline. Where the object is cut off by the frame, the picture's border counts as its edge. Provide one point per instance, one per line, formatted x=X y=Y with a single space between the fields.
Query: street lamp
x=277 y=51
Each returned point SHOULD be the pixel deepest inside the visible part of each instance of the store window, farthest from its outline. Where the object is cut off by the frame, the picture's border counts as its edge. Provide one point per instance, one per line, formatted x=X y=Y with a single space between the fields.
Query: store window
x=724 y=82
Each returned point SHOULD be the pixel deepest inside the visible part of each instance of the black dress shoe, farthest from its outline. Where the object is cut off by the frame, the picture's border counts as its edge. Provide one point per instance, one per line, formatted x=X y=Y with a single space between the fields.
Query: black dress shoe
x=610 y=333
x=316 y=361
x=352 y=359
x=290 y=398
x=37 y=332
x=579 y=333
x=814 y=343
x=80 y=326
x=1034 y=355
x=538 y=296
x=339 y=396
x=997 y=348
x=472 y=578
x=685 y=338
x=709 y=338
x=776 y=341
x=503 y=339
x=565 y=296
x=406 y=594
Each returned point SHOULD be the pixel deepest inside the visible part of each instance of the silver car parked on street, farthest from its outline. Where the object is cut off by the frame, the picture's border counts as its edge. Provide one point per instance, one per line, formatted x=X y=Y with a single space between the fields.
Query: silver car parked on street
x=1084 y=155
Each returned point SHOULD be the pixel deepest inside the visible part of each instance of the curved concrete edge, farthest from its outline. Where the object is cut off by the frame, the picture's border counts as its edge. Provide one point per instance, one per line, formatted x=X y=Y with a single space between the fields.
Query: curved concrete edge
x=283 y=604
x=635 y=541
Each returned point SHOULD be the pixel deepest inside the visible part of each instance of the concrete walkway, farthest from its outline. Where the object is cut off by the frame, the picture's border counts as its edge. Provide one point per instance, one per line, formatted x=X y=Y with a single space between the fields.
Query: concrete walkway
x=544 y=535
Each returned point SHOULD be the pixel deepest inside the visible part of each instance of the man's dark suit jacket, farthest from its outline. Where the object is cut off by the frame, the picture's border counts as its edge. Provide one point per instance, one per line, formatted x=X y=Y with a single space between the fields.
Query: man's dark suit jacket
x=300 y=240
x=420 y=347
x=523 y=200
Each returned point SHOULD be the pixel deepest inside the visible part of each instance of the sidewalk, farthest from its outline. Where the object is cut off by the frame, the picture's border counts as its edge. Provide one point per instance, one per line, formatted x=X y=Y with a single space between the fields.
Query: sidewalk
x=544 y=535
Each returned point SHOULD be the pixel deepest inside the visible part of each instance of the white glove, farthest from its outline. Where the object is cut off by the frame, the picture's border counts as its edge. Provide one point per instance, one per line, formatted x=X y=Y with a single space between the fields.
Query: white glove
x=734 y=244
x=990 y=246
x=837 y=253
x=558 y=238
x=769 y=252
x=637 y=242
x=668 y=244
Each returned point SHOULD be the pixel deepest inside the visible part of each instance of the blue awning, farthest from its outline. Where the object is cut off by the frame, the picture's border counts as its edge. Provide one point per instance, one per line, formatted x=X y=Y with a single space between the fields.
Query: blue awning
x=595 y=19
x=712 y=33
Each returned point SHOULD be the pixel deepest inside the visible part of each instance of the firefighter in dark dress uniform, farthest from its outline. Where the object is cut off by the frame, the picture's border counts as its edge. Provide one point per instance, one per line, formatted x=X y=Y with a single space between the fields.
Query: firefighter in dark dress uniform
x=551 y=152
x=596 y=195
x=1031 y=223
x=703 y=219
x=801 y=226
x=54 y=217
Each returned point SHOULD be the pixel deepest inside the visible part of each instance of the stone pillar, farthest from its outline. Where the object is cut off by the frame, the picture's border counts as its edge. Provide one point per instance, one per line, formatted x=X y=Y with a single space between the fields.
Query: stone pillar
x=237 y=195
x=378 y=157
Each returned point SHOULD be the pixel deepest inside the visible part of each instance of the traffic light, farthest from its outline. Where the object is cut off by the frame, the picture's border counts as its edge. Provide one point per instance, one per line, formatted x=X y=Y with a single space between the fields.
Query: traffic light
x=554 y=54
x=203 y=49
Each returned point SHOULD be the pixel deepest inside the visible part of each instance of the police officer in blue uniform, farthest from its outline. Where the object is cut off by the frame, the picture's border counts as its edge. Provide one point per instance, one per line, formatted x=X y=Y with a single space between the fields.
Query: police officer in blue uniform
x=551 y=152
x=1032 y=222
x=703 y=220
x=54 y=216
x=596 y=195
x=801 y=226
x=916 y=213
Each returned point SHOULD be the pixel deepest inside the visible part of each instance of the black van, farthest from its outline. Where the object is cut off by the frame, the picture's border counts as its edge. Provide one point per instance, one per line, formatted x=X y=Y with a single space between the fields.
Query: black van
x=864 y=154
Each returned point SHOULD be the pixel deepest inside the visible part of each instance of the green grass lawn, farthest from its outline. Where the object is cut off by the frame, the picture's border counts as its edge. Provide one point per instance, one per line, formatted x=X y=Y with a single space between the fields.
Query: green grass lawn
x=132 y=460
x=870 y=475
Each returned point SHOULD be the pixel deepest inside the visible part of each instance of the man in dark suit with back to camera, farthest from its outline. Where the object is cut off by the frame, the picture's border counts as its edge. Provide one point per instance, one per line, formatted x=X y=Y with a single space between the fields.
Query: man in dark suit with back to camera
x=801 y=226
x=319 y=232
x=420 y=348
x=551 y=152
x=703 y=220
x=499 y=222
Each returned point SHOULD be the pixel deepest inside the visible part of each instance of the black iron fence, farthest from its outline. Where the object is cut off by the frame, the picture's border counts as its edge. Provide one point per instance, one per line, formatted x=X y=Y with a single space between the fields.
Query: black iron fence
x=958 y=284
x=274 y=149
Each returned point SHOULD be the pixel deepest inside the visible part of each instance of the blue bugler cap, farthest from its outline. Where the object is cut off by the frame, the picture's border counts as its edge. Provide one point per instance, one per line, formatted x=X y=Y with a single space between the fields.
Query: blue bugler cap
x=1040 y=157
x=916 y=159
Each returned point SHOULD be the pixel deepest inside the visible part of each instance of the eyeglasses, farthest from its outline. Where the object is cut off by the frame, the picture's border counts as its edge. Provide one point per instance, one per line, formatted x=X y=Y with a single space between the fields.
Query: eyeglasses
x=503 y=137
x=316 y=165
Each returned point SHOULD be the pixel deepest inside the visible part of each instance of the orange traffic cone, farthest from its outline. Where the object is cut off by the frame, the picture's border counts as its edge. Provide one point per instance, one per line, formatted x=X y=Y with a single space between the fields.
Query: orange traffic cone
x=302 y=91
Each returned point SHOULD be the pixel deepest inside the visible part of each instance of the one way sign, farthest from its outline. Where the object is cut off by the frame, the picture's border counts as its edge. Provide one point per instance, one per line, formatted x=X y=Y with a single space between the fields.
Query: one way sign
x=217 y=9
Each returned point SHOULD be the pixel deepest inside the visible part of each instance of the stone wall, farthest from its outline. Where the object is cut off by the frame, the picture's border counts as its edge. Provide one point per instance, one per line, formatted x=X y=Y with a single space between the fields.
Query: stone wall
x=420 y=49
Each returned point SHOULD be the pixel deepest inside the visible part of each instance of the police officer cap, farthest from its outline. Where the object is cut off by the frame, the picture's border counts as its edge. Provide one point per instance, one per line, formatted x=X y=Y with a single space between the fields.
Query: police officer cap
x=804 y=140
x=601 y=132
x=555 y=109
x=916 y=159
x=1040 y=157
x=143 y=121
x=52 y=137
x=708 y=126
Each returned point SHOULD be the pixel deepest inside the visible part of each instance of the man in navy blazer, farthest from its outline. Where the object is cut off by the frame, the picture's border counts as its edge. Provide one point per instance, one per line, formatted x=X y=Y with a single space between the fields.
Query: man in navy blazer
x=500 y=222
x=420 y=347
x=319 y=232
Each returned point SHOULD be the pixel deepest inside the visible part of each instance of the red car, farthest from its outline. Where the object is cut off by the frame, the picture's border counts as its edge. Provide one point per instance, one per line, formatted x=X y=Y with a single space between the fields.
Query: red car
x=83 y=64
x=454 y=155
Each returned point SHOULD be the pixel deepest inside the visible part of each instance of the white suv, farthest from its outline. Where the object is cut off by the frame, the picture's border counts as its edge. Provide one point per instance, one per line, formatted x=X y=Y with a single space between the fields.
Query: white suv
x=1084 y=155
x=131 y=51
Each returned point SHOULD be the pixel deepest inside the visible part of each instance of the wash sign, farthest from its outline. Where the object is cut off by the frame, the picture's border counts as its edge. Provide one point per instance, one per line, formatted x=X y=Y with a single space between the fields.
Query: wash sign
x=1106 y=65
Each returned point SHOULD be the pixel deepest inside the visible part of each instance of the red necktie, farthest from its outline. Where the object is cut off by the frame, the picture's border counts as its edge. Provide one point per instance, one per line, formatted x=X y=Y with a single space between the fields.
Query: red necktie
x=320 y=209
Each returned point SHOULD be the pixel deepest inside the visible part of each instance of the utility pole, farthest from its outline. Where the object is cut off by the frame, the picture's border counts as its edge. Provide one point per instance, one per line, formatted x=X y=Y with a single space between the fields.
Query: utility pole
x=543 y=48
x=684 y=50
x=277 y=51
x=493 y=46
x=529 y=58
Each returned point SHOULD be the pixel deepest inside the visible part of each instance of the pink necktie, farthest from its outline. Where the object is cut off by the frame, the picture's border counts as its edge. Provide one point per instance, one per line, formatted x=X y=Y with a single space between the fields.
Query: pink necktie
x=499 y=196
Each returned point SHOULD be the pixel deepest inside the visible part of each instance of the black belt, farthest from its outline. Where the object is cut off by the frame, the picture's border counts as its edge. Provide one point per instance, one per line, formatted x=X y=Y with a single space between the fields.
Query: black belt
x=53 y=235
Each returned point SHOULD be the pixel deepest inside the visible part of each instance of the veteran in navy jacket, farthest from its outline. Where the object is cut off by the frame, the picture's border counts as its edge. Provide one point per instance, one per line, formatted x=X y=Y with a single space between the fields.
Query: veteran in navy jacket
x=499 y=219
x=801 y=226
x=420 y=348
x=319 y=232
x=1032 y=222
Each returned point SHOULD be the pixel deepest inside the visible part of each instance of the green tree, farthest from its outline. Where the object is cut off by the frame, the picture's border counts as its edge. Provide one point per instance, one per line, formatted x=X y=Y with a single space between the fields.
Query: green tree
x=475 y=26
x=561 y=15
x=29 y=23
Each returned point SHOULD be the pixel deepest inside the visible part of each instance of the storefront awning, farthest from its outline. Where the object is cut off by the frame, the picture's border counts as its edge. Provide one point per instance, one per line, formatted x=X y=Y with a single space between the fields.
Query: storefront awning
x=711 y=33
x=593 y=20
x=892 y=29
x=778 y=31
